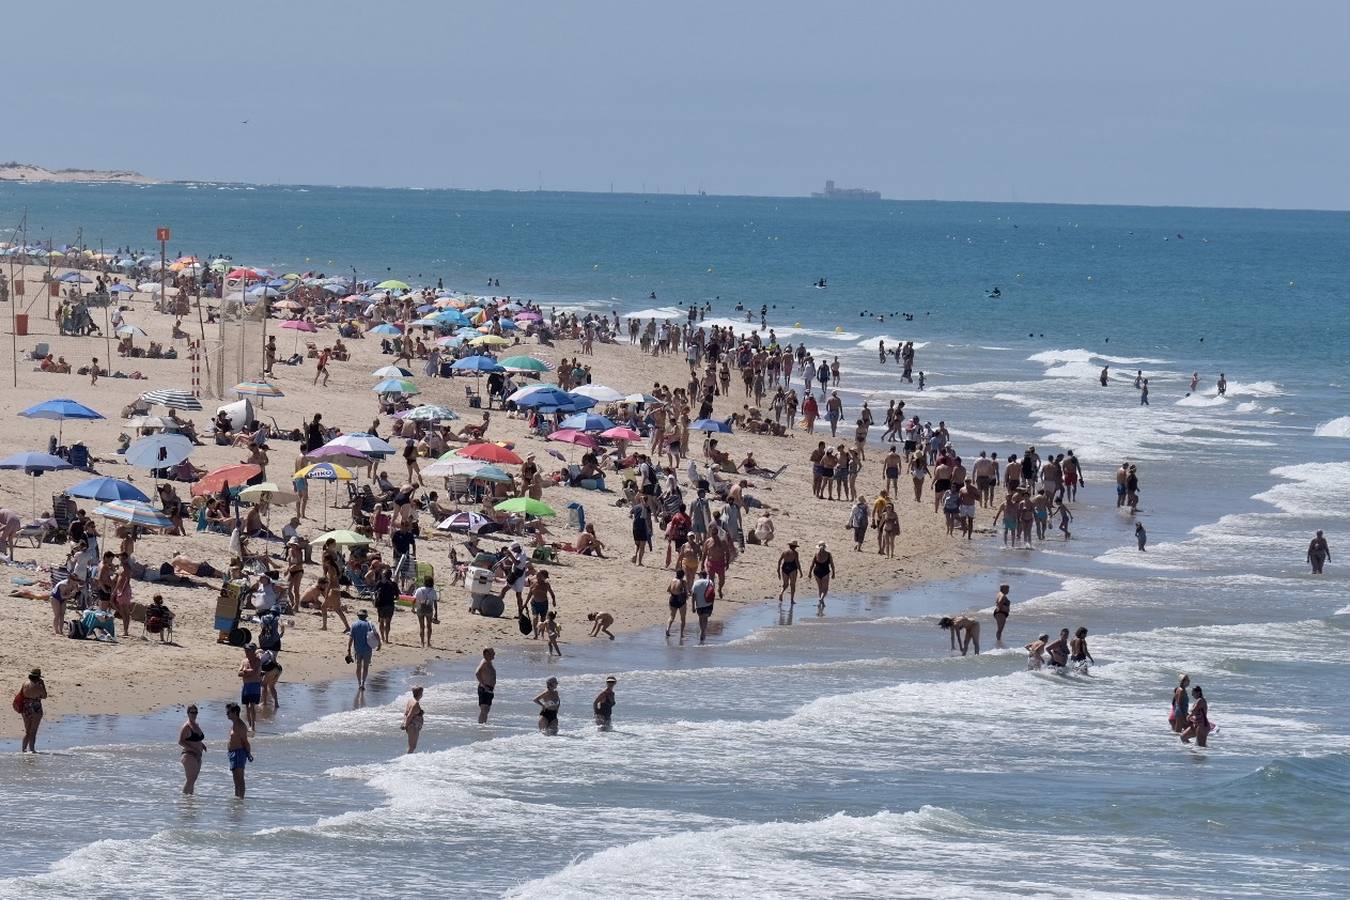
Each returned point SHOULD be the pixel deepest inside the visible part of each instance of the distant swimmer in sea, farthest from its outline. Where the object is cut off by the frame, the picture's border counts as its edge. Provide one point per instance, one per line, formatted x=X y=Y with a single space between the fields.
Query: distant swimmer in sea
x=1002 y=606
x=1195 y=382
x=1106 y=373
x=1319 y=553
x=995 y=293
x=820 y=283
x=1222 y=385
x=1036 y=652
x=963 y=629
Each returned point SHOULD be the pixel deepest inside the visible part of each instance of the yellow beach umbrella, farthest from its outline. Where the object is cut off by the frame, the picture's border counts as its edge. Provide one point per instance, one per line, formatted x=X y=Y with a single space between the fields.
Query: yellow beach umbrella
x=490 y=340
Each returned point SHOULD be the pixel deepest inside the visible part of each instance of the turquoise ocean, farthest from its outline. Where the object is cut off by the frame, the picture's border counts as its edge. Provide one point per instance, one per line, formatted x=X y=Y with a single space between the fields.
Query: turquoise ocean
x=849 y=755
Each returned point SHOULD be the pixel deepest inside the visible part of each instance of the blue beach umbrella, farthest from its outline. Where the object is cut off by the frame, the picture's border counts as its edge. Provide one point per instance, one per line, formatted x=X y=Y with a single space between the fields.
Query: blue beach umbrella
x=385 y=328
x=586 y=422
x=134 y=512
x=33 y=465
x=476 y=364
x=711 y=425
x=107 y=489
x=60 y=410
x=120 y=288
x=75 y=278
x=158 y=451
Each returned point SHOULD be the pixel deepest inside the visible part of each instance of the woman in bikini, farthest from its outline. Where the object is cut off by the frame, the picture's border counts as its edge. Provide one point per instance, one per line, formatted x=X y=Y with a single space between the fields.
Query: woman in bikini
x=1198 y=726
x=192 y=740
x=31 y=694
x=548 y=702
x=789 y=567
x=890 y=530
x=678 y=596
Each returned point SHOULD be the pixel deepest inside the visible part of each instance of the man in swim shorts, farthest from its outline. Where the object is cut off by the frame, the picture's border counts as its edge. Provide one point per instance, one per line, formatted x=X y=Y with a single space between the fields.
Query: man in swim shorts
x=239 y=752
x=250 y=695
x=486 y=676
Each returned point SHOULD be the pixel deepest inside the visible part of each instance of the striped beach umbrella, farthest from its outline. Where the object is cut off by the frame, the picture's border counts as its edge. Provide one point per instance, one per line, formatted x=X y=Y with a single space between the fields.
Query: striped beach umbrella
x=324 y=471
x=524 y=364
x=135 y=512
x=107 y=489
x=173 y=398
x=430 y=413
x=262 y=389
x=396 y=386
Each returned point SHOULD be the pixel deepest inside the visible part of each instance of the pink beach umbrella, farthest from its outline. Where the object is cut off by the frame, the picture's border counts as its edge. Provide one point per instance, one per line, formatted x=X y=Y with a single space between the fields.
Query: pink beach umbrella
x=572 y=436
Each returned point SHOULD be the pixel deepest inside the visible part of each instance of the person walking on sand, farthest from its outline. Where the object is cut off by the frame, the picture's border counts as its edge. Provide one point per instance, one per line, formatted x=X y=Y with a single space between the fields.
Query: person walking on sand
x=250 y=695
x=789 y=567
x=1002 y=607
x=192 y=742
x=29 y=705
x=822 y=570
x=1319 y=553
x=93 y=373
x=361 y=644
x=1198 y=724
x=322 y=367
x=963 y=629
x=239 y=753
x=603 y=705
x=486 y=676
x=549 y=702
x=1180 y=710
x=858 y=520
x=412 y=718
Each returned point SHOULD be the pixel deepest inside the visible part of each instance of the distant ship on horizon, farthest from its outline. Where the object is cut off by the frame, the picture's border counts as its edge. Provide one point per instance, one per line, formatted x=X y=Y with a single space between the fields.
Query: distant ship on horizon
x=833 y=193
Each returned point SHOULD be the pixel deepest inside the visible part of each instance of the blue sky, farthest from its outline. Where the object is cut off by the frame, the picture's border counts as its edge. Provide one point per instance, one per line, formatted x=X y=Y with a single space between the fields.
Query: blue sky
x=1197 y=103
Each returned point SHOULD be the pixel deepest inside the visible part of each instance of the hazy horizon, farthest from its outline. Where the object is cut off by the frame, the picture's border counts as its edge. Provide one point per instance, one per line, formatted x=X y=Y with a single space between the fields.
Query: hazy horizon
x=1217 y=105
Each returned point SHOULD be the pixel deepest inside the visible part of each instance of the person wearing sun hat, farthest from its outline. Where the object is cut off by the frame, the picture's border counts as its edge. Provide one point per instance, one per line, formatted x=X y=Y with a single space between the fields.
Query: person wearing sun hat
x=603 y=706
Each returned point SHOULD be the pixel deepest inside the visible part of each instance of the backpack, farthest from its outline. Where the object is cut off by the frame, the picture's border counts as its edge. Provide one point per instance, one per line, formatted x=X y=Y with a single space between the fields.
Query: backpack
x=268 y=638
x=75 y=630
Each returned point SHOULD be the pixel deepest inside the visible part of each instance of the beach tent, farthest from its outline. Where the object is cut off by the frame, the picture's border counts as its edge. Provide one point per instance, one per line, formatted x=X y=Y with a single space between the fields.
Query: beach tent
x=240 y=413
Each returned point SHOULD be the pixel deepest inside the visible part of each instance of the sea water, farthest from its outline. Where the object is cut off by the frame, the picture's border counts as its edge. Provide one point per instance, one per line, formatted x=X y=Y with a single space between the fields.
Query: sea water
x=850 y=754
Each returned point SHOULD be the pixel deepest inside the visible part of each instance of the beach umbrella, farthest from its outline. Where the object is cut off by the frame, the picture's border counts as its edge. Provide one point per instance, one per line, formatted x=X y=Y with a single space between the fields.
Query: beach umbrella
x=396 y=386
x=477 y=365
x=263 y=290
x=526 y=505
x=332 y=453
x=146 y=422
x=269 y=492
x=392 y=284
x=260 y=389
x=620 y=433
x=495 y=453
x=173 y=398
x=324 y=471
x=34 y=464
x=134 y=512
x=75 y=278
x=158 y=451
x=363 y=442
x=149 y=287
x=468 y=523
x=385 y=328
x=60 y=409
x=490 y=473
x=244 y=274
x=641 y=399
x=299 y=325
x=586 y=422
x=540 y=395
x=107 y=489
x=391 y=372
x=598 y=392
x=573 y=436
x=711 y=425
x=295 y=305
x=450 y=465
x=448 y=341
x=343 y=537
x=524 y=364
x=237 y=474
x=131 y=331
x=521 y=393
x=490 y=340
x=430 y=413
x=528 y=315
x=121 y=288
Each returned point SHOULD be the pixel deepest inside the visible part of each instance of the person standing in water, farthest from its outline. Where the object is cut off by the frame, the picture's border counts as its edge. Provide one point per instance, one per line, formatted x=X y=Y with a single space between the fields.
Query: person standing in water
x=239 y=751
x=1181 y=705
x=549 y=702
x=1140 y=536
x=412 y=718
x=603 y=706
x=1036 y=652
x=1058 y=651
x=962 y=628
x=822 y=569
x=486 y=676
x=1079 y=656
x=789 y=566
x=31 y=694
x=1198 y=724
x=192 y=741
x=1002 y=606
x=1319 y=553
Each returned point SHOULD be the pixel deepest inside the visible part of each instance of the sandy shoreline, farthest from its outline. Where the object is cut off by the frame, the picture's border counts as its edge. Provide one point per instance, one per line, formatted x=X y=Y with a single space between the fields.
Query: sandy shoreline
x=136 y=676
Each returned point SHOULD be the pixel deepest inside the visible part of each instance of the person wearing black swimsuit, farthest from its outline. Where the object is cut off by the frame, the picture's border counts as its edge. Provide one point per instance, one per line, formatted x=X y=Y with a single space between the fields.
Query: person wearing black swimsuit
x=603 y=707
x=549 y=701
x=822 y=569
x=789 y=565
x=192 y=741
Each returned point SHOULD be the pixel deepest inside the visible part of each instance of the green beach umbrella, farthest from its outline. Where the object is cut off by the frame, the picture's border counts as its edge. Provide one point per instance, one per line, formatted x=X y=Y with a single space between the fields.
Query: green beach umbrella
x=526 y=505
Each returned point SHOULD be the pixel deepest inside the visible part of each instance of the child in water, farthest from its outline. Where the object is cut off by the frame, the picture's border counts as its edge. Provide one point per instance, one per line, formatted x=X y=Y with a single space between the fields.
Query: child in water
x=551 y=630
x=600 y=622
x=1065 y=517
x=1140 y=535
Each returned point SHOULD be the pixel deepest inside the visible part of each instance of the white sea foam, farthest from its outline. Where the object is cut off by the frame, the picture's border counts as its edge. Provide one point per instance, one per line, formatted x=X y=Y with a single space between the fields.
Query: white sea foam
x=1335 y=428
x=1311 y=489
x=1052 y=357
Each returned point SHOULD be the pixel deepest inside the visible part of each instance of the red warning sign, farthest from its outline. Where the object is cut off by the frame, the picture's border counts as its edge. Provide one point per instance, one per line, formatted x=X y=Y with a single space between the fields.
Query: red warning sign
x=162 y=234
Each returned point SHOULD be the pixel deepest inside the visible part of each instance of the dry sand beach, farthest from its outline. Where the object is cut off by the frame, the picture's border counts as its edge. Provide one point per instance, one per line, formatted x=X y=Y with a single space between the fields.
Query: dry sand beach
x=136 y=675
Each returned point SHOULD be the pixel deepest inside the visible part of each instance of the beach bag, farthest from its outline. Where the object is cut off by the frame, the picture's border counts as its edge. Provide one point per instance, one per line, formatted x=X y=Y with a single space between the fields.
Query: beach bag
x=523 y=621
x=75 y=630
x=18 y=702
